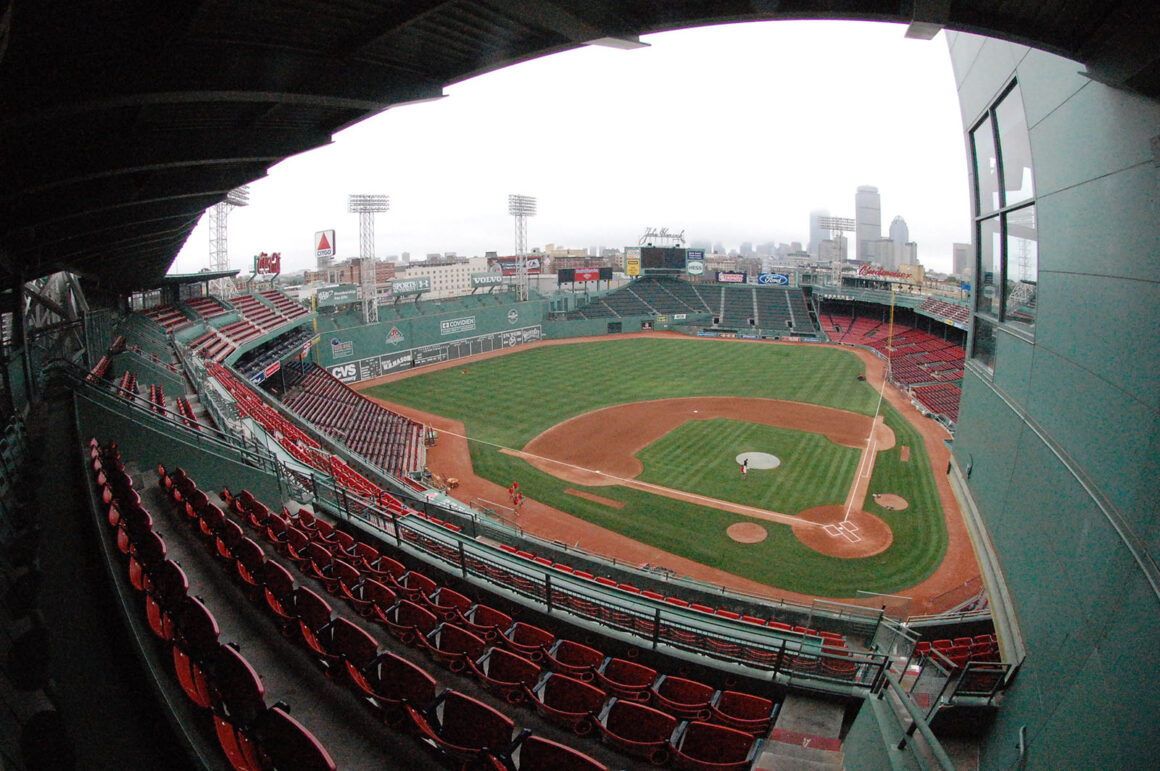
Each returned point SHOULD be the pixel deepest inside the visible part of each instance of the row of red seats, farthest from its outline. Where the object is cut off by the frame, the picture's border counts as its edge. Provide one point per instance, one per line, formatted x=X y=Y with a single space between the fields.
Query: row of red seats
x=215 y=676
x=960 y=650
x=186 y=410
x=457 y=633
x=128 y=385
x=100 y=369
x=206 y=307
x=288 y=307
x=456 y=725
x=156 y=398
x=169 y=317
x=301 y=445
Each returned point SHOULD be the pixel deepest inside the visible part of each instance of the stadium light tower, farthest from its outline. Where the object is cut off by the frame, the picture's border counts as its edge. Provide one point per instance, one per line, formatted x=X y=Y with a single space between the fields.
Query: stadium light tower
x=521 y=207
x=366 y=206
x=219 y=250
x=840 y=225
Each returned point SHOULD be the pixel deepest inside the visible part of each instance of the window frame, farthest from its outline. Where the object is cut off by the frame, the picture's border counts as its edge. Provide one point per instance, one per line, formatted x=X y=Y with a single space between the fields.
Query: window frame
x=996 y=314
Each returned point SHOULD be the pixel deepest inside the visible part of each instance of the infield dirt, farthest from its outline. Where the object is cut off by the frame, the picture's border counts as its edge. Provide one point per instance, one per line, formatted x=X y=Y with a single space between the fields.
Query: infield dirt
x=451 y=458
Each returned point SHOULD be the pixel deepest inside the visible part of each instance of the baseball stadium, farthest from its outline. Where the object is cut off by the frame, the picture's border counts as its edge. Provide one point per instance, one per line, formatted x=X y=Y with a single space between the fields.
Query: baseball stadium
x=828 y=516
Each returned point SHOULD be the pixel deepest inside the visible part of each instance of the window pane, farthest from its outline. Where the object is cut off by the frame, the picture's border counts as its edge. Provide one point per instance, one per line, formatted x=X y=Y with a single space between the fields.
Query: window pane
x=1015 y=147
x=987 y=296
x=983 y=347
x=986 y=168
x=1022 y=268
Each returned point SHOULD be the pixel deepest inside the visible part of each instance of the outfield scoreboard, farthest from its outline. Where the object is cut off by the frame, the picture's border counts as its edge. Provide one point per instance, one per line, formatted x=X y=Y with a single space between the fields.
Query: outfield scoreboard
x=663 y=258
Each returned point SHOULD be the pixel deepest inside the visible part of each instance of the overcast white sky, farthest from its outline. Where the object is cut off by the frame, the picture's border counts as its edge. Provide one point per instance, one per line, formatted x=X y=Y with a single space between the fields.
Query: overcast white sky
x=731 y=133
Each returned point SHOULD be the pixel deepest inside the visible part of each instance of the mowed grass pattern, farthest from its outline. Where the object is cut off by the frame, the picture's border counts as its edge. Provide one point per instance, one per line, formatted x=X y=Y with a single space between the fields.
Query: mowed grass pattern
x=701 y=457
x=508 y=400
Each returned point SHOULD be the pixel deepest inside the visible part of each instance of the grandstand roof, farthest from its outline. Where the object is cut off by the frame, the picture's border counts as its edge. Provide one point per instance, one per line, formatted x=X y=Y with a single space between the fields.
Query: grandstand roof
x=121 y=123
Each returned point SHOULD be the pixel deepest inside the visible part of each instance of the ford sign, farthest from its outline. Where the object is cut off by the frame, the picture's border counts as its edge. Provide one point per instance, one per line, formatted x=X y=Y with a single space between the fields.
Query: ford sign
x=775 y=279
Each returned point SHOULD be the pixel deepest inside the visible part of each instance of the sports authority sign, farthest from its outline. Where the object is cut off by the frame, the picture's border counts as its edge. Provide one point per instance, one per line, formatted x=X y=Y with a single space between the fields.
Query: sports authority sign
x=411 y=285
x=324 y=244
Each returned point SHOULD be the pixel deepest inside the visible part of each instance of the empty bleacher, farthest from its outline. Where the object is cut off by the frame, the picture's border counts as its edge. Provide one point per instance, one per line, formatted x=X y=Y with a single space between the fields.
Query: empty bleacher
x=772 y=310
x=387 y=439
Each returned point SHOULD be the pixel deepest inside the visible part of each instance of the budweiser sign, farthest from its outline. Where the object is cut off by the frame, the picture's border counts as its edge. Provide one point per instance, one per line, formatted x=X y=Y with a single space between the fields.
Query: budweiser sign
x=868 y=270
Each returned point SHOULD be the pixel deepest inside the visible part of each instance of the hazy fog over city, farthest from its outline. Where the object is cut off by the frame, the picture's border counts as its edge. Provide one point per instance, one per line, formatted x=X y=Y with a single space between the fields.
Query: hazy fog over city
x=731 y=134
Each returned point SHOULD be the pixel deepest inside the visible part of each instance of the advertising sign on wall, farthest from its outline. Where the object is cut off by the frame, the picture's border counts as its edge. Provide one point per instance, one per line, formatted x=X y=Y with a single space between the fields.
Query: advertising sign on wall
x=324 y=245
x=411 y=285
x=339 y=294
x=730 y=277
x=773 y=279
x=510 y=266
x=457 y=326
x=486 y=279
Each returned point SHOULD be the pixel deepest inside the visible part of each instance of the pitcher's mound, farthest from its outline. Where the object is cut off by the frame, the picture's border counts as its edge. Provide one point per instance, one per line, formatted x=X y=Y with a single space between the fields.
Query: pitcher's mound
x=746 y=532
x=759 y=460
x=864 y=535
x=891 y=502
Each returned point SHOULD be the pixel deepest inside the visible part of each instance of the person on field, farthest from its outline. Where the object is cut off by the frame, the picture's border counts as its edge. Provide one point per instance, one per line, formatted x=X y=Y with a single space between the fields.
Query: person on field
x=744 y=468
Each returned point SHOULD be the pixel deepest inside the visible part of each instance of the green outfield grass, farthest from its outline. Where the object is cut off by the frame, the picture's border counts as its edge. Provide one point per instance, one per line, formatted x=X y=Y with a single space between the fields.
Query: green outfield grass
x=700 y=457
x=508 y=400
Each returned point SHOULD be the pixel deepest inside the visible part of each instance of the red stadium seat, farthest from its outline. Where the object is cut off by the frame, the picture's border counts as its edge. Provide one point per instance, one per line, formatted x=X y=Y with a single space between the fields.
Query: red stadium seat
x=453 y=646
x=462 y=728
x=686 y=699
x=567 y=702
x=408 y=622
x=637 y=730
x=574 y=659
x=168 y=591
x=505 y=673
x=625 y=679
x=535 y=753
x=447 y=603
x=388 y=681
x=742 y=711
x=709 y=747
x=368 y=595
x=286 y=743
x=527 y=640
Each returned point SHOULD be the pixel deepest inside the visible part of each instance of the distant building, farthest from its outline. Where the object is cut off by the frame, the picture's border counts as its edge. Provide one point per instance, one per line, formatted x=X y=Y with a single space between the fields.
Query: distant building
x=833 y=249
x=817 y=232
x=450 y=277
x=350 y=271
x=867 y=222
x=961 y=260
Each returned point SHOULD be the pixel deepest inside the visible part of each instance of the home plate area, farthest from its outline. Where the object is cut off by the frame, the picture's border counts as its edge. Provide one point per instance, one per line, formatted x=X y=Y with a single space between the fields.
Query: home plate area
x=847 y=530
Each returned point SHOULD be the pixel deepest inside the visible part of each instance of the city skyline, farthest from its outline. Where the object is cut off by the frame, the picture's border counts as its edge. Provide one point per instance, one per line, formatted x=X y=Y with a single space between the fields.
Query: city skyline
x=714 y=131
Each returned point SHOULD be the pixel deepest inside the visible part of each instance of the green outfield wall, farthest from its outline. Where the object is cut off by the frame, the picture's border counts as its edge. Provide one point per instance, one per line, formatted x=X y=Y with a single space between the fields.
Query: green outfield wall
x=368 y=351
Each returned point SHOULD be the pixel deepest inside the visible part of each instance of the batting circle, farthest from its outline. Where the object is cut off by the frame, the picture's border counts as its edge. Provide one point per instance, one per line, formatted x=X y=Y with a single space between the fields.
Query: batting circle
x=759 y=460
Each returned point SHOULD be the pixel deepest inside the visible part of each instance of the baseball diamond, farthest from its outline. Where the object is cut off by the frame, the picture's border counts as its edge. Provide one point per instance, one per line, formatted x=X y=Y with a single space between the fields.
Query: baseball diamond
x=664 y=448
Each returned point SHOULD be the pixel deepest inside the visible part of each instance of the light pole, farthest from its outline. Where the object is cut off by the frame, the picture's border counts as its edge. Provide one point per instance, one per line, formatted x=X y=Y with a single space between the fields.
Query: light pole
x=366 y=206
x=521 y=207
x=219 y=252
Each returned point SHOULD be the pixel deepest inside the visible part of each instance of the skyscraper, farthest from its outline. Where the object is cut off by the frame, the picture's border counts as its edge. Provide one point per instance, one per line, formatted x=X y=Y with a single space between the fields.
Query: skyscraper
x=899 y=237
x=961 y=260
x=867 y=221
x=817 y=232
